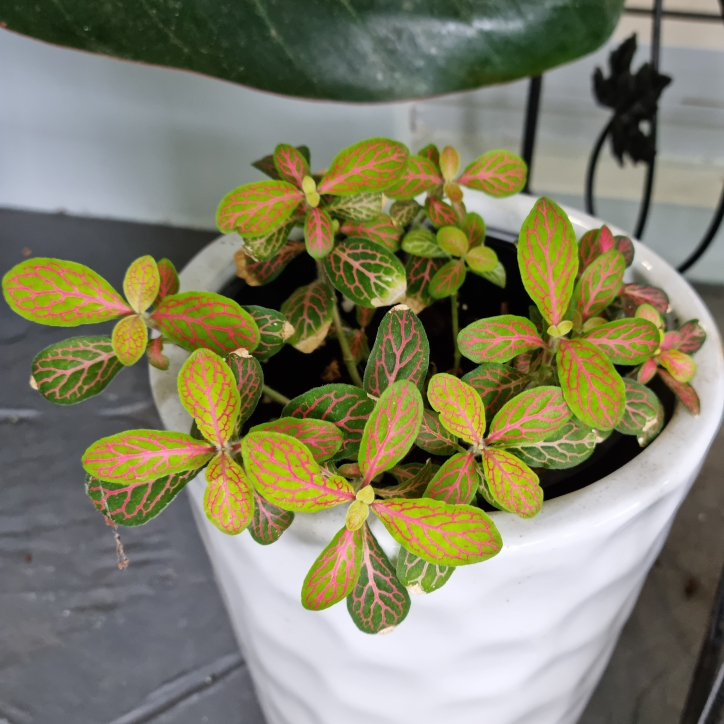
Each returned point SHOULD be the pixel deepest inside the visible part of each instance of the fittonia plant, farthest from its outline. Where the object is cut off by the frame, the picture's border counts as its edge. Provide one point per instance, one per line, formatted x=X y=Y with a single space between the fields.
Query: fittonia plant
x=421 y=452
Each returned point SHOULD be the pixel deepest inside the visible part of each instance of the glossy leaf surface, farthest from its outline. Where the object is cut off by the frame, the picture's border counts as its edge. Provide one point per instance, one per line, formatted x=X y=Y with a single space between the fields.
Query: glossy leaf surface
x=456 y=481
x=625 y=341
x=257 y=208
x=643 y=414
x=498 y=339
x=460 y=407
x=496 y=383
x=309 y=311
x=512 y=484
x=433 y=437
x=323 y=439
x=419 y=575
x=129 y=339
x=496 y=173
x=274 y=330
x=569 y=446
x=228 y=499
x=269 y=521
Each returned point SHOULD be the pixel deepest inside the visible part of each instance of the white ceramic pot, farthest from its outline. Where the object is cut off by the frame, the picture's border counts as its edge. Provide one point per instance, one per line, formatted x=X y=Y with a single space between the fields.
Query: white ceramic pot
x=522 y=638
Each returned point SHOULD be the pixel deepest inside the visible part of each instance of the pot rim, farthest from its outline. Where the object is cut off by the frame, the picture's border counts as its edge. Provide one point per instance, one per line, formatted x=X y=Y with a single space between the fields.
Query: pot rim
x=651 y=475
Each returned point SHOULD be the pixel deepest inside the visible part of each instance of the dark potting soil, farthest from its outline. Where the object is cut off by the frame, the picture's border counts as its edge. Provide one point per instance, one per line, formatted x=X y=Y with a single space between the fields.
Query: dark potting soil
x=293 y=373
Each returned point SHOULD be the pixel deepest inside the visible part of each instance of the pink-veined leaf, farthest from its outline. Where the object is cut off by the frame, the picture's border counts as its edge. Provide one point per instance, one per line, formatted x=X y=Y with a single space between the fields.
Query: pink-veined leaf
x=145 y=455
x=548 y=259
x=691 y=336
x=129 y=339
x=599 y=284
x=498 y=339
x=382 y=231
x=452 y=240
x=346 y=406
x=448 y=279
x=61 y=293
x=456 y=481
x=258 y=273
x=194 y=320
x=606 y=241
x=422 y=242
x=371 y=165
x=647 y=371
x=419 y=575
x=648 y=312
x=511 y=483
x=496 y=384
x=350 y=470
x=670 y=340
x=497 y=173
x=483 y=261
x=474 y=227
x=318 y=233
x=274 y=330
x=269 y=521
x=168 y=280
x=460 y=406
x=75 y=369
x=378 y=602
x=133 y=504
x=439 y=213
x=323 y=439
x=532 y=416
x=401 y=351
x=142 y=283
x=366 y=273
x=265 y=247
x=358 y=344
x=391 y=429
x=309 y=311
x=291 y=164
x=592 y=387
x=642 y=294
x=208 y=392
x=683 y=391
x=525 y=362
x=643 y=414
x=626 y=247
x=266 y=166
x=154 y=352
x=569 y=446
x=625 y=341
x=228 y=498
x=256 y=208
x=451 y=535
x=249 y=380
x=412 y=478
x=419 y=273
x=679 y=365
x=285 y=472
x=431 y=153
x=588 y=249
x=333 y=575
x=433 y=437
x=419 y=175
x=364 y=316
x=404 y=211
x=359 y=207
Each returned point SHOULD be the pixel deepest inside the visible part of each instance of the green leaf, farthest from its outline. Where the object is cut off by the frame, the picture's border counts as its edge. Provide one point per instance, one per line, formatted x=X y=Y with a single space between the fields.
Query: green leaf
x=460 y=407
x=679 y=365
x=419 y=175
x=401 y=352
x=382 y=231
x=433 y=437
x=439 y=213
x=639 y=294
x=419 y=273
x=249 y=380
x=258 y=273
x=391 y=429
x=309 y=311
x=548 y=259
x=371 y=165
x=571 y=445
x=156 y=357
x=323 y=439
x=138 y=456
x=495 y=276
x=432 y=153
x=284 y=471
x=474 y=227
x=359 y=207
x=419 y=575
x=169 y=281
x=269 y=521
x=208 y=392
x=266 y=246
x=412 y=478
x=625 y=341
x=228 y=499
x=498 y=339
x=195 y=320
x=366 y=273
x=333 y=575
x=496 y=384
x=404 y=211
x=291 y=165
x=422 y=242
x=456 y=482
x=378 y=602
x=142 y=283
x=532 y=416
x=643 y=415
x=274 y=330
x=254 y=209
x=346 y=406
x=318 y=233
x=452 y=240
x=684 y=392
x=132 y=504
x=129 y=339
x=588 y=248
x=511 y=483
x=75 y=369
x=448 y=279
x=451 y=535
x=599 y=284
x=497 y=173
x=266 y=166
x=483 y=261
x=61 y=293
x=592 y=387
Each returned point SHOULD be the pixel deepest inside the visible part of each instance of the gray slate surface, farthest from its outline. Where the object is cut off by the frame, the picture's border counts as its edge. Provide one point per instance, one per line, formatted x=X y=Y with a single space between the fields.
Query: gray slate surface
x=85 y=643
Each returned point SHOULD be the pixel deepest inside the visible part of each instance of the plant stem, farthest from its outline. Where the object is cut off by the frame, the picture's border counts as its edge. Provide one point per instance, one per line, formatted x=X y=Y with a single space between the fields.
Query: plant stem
x=455 y=328
x=276 y=396
x=344 y=344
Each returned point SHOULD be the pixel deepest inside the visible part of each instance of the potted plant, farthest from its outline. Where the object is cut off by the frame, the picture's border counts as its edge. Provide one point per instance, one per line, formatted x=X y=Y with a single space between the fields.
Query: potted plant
x=425 y=451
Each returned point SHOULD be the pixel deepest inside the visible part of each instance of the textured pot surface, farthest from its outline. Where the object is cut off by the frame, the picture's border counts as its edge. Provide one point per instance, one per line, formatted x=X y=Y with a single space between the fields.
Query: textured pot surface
x=522 y=638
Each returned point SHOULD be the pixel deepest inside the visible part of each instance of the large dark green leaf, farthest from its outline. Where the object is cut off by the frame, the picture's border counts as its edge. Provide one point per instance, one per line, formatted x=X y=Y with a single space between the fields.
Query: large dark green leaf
x=373 y=50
